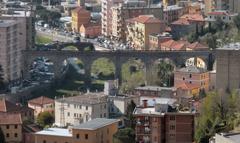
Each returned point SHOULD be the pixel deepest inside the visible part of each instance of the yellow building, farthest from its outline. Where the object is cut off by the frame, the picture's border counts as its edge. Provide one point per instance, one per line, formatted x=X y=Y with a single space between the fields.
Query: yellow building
x=11 y=126
x=99 y=130
x=80 y=16
x=169 y=2
x=139 y=29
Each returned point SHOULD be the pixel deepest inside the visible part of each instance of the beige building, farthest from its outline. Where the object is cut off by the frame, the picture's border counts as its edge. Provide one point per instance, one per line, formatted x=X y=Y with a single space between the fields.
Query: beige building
x=139 y=29
x=131 y=9
x=11 y=125
x=78 y=109
x=98 y=130
x=172 y=13
x=118 y=104
x=41 y=104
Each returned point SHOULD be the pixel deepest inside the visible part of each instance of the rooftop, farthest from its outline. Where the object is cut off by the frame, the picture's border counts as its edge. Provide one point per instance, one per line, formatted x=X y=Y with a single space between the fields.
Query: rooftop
x=151 y=101
x=55 y=132
x=172 y=7
x=155 y=88
x=7 y=23
x=7 y=106
x=192 y=69
x=146 y=19
x=41 y=100
x=234 y=137
x=95 y=124
x=10 y=118
x=21 y=13
x=87 y=98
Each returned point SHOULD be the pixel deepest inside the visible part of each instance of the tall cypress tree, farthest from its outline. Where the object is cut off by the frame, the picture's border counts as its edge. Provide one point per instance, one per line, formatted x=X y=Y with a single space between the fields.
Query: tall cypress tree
x=2 y=137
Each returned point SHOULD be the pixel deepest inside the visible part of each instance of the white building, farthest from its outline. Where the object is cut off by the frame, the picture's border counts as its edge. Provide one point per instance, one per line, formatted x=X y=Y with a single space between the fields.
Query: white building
x=78 y=109
x=223 y=15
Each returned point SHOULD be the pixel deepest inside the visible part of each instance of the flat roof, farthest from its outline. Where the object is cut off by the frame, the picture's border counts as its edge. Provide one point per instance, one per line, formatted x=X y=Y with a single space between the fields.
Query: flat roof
x=95 y=124
x=230 y=46
x=235 y=137
x=155 y=88
x=17 y=13
x=55 y=132
x=157 y=100
x=7 y=23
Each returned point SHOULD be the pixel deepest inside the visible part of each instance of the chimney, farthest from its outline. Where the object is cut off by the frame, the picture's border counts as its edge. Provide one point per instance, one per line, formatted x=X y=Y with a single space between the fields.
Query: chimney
x=145 y=104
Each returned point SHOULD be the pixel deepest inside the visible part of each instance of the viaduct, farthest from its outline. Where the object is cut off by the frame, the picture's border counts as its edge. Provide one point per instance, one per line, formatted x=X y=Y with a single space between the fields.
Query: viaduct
x=118 y=58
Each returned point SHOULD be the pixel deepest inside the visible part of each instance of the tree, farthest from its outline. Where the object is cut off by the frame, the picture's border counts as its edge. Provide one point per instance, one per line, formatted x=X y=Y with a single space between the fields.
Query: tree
x=2 y=137
x=45 y=119
x=237 y=21
x=219 y=113
x=126 y=135
x=129 y=113
x=164 y=73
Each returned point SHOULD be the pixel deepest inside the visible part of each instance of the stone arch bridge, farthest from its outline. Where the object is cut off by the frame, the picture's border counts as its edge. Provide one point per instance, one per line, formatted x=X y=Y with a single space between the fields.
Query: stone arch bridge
x=118 y=58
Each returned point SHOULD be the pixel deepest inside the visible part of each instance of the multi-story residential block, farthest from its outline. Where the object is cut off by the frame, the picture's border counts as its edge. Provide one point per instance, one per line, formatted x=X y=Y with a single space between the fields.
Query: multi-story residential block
x=160 y=123
x=98 y=130
x=131 y=9
x=41 y=104
x=156 y=39
x=172 y=13
x=193 y=78
x=223 y=15
x=107 y=16
x=78 y=109
x=11 y=108
x=139 y=29
x=118 y=104
x=227 y=75
x=11 y=126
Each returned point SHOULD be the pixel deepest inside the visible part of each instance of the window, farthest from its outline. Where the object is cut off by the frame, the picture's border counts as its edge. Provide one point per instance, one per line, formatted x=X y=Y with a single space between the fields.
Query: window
x=86 y=136
x=77 y=136
x=68 y=113
x=86 y=107
x=105 y=106
x=172 y=118
x=80 y=106
x=7 y=135
x=44 y=141
x=155 y=138
x=74 y=114
x=104 y=115
x=15 y=135
x=75 y=106
x=172 y=127
x=68 y=105
x=190 y=76
x=100 y=115
x=172 y=135
x=183 y=78
x=7 y=126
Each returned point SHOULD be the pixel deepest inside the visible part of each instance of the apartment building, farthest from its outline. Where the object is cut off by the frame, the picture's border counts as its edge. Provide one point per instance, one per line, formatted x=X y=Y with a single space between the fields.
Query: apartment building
x=192 y=78
x=139 y=29
x=161 y=123
x=10 y=57
x=156 y=39
x=11 y=126
x=41 y=104
x=79 y=109
x=98 y=130
x=107 y=16
x=172 y=13
x=210 y=5
x=130 y=9
x=80 y=16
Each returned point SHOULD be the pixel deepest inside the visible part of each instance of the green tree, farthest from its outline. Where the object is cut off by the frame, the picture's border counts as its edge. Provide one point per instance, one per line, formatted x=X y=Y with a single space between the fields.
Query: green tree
x=164 y=74
x=126 y=135
x=211 y=41
x=129 y=113
x=2 y=137
x=219 y=113
x=45 y=119
x=237 y=21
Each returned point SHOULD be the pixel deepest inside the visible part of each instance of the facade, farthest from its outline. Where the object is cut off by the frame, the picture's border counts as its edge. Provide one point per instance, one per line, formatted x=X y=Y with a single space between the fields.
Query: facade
x=223 y=15
x=139 y=29
x=131 y=9
x=210 y=6
x=157 y=124
x=80 y=16
x=227 y=76
x=118 y=104
x=169 y=2
x=79 y=109
x=226 y=138
x=90 y=30
x=107 y=16
x=156 y=39
x=41 y=104
x=155 y=91
x=172 y=13
x=11 y=126
x=234 y=6
x=192 y=78
x=98 y=130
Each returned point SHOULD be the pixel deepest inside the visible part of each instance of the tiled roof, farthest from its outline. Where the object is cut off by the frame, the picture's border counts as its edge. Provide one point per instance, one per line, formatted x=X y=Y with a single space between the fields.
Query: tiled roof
x=188 y=86
x=146 y=19
x=193 y=17
x=41 y=100
x=181 y=21
x=80 y=9
x=7 y=106
x=10 y=118
x=175 y=45
x=197 y=46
